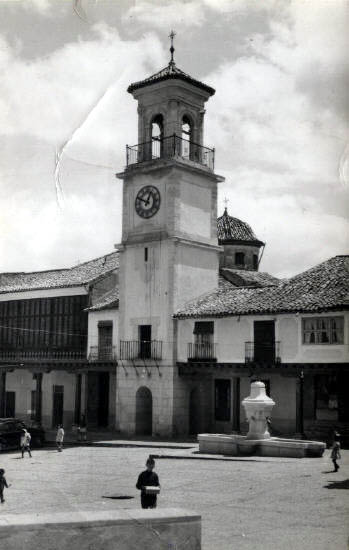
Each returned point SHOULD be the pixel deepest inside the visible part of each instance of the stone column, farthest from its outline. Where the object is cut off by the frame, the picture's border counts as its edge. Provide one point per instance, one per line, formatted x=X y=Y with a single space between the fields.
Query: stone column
x=236 y=405
x=3 y=394
x=77 y=412
x=38 y=397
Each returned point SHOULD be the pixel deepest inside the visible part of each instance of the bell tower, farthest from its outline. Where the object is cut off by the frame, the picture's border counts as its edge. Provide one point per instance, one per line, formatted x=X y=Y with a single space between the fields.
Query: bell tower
x=169 y=252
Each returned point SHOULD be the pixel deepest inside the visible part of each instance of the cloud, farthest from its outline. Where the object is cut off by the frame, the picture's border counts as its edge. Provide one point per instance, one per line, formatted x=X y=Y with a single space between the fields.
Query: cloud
x=163 y=15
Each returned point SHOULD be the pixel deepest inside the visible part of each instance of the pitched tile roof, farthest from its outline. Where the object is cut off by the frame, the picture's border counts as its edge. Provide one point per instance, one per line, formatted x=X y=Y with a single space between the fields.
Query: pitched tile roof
x=232 y=230
x=169 y=72
x=245 y=278
x=81 y=274
x=109 y=300
x=322 y=288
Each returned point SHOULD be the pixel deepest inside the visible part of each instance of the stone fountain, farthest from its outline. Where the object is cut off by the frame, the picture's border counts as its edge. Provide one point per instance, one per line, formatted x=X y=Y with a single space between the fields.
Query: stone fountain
x=258 y=441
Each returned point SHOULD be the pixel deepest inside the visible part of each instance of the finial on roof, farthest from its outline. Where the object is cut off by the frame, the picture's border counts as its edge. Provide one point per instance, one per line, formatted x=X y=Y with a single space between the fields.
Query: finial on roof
x=172 y=35
x=226 y=205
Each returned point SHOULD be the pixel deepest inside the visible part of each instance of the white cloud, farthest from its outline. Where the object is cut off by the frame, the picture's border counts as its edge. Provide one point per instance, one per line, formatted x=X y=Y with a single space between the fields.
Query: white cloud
x=162 y=15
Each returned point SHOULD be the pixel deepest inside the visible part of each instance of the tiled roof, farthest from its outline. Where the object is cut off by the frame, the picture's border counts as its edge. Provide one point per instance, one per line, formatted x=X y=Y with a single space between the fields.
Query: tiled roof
x=324 y=287
x=109 y=300
x=232 y=230
x=169 y=72
x=245 y=278
x=81 y=274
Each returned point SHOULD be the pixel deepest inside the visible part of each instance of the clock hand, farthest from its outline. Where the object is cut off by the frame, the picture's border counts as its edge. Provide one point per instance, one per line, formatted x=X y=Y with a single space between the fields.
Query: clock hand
x=143 y=200
x=147 y=201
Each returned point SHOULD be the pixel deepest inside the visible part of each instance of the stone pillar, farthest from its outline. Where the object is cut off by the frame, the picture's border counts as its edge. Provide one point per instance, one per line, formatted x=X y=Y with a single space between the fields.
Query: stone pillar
x=3 y=394
x=38 y=397
x=300 y=404
x=77 y=411
x=236 y=405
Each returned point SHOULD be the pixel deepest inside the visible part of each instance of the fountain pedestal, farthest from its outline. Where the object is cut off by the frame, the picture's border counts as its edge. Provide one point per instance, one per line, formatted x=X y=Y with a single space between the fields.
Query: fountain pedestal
x=258 y=407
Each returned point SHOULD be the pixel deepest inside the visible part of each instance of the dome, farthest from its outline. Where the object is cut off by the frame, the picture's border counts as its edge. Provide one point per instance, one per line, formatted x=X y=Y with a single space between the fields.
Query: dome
x=234 y=231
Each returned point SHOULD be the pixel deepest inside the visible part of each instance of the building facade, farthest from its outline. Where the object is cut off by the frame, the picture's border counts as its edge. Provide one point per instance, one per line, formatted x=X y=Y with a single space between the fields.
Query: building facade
x=163 y=336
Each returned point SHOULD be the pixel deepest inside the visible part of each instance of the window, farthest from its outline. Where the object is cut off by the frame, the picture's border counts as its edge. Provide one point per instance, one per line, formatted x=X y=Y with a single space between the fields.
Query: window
x=255 y=261
x=144 y=332
x=323 y=330
x=239 y=258
x=146 y=254
x=203 y=331
x=105 y=340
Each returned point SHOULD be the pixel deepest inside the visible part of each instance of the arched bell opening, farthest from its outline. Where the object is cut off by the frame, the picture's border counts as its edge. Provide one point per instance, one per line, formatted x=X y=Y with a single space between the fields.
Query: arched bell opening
x=157 y=136
x=187 y=138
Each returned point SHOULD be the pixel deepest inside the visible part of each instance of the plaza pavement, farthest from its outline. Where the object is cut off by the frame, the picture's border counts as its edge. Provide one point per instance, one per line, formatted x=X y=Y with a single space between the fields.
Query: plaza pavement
x=254 y=503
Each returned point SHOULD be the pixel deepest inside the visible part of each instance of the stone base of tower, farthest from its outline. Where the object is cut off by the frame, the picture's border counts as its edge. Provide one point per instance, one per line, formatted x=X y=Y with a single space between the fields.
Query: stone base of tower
x=144 y=399
x=152 y=400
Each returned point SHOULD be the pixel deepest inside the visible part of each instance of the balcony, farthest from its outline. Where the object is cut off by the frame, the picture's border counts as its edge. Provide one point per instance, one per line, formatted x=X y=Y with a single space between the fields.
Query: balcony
x=131 y=350
x=167 y=148
x=102 y=353
x=201 y=353
x=262 y=352
x=41 y=355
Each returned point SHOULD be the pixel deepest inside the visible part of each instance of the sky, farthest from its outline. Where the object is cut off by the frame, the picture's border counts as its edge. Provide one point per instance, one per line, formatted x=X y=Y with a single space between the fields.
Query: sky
x=278 y=120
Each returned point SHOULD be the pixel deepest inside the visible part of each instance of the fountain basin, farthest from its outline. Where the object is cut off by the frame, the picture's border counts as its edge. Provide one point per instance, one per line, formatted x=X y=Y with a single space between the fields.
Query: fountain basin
x=239 y=445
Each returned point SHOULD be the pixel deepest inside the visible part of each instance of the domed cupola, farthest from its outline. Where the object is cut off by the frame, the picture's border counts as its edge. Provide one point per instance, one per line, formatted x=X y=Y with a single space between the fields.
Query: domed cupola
x=241 y=247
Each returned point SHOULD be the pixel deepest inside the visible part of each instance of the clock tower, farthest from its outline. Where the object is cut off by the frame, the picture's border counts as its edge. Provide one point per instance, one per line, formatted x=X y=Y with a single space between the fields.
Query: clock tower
x=169 y=252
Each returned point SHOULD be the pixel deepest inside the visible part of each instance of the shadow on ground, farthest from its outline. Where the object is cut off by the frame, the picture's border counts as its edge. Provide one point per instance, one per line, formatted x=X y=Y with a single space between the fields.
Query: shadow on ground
x=338 y=484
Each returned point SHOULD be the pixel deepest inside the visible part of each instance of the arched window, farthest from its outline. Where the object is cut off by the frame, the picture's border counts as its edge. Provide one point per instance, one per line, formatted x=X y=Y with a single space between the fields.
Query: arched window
x=187 y=138
x=157 y=136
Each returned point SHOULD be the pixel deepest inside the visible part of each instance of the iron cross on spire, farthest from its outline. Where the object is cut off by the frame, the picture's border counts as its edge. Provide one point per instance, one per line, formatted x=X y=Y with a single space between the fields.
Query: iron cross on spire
x=226 y=203
x=171 y=36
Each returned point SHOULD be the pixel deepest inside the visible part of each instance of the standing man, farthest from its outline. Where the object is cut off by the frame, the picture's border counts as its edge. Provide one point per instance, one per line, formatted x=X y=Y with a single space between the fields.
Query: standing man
x=59 y=438
x=25 y=442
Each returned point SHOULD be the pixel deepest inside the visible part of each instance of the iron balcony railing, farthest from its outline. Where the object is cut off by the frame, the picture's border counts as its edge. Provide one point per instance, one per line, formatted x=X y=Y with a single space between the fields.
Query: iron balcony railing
x=170 y=147
x=262 y=352
x=202 y=352
x=140 y=349
x=41 y=354
x=102 y=353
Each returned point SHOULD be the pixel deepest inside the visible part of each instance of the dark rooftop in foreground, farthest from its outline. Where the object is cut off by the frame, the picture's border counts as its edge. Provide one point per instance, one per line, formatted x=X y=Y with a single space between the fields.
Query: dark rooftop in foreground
x=81 y=274
x=322 y=288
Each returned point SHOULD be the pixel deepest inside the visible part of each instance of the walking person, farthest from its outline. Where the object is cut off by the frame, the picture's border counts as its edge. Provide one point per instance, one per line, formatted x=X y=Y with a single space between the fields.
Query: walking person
x=59 y=438
x=25 y=442
x=3 y=484
x=335 y=453
x=148 y=484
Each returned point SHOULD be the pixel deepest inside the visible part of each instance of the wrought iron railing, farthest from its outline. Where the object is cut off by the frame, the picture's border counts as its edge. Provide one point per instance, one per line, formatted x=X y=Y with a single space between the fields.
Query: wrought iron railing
x=41 y=354
x=170 y=147
x=262 y=352
x=140 y=349
x=202 y=352
x=102 y=353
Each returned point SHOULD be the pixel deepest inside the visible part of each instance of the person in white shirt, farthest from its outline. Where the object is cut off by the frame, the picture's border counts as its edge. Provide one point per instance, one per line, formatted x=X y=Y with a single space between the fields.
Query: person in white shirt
x=60 y=437
x=25 y=442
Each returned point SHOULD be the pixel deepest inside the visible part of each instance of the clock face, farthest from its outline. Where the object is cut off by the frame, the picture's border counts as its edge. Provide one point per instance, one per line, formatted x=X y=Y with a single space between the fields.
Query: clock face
x=147 y=202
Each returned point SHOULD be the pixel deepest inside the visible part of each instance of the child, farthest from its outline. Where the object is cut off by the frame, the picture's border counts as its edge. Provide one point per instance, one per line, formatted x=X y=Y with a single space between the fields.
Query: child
x=3 y=483
x=335 y=454
x=60 y=437
x=148 y=478
x=25 y=442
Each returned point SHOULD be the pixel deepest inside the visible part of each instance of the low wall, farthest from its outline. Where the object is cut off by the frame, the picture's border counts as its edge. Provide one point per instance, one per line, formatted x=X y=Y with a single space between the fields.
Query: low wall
x=167 y=529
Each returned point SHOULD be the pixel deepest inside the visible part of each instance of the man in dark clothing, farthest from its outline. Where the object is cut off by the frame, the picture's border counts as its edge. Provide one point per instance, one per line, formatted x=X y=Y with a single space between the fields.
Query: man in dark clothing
x=148 y=478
